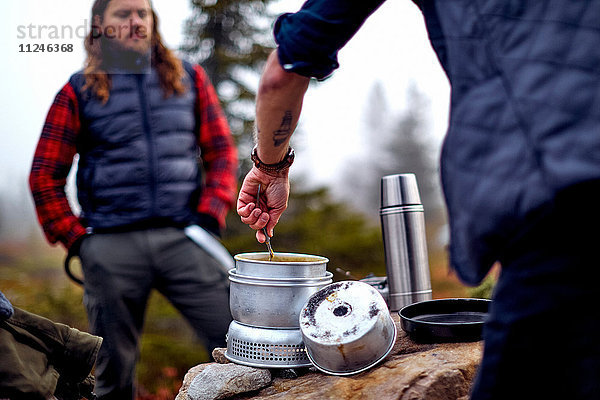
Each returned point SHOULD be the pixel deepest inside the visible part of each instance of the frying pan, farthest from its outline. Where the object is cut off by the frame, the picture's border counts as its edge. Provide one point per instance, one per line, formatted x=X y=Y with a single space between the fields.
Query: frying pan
x=445 y=320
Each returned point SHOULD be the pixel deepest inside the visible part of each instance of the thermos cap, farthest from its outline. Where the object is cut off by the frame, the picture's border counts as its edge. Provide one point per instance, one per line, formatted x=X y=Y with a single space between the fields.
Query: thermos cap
x=399 y=190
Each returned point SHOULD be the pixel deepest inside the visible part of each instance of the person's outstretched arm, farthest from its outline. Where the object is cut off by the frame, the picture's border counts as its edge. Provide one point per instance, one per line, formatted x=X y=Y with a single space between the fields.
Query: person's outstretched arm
x=308 y=44
x=278 y=106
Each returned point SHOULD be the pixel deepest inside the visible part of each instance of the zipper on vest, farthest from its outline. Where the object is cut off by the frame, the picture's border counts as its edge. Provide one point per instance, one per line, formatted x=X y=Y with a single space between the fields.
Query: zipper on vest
x=152 y=161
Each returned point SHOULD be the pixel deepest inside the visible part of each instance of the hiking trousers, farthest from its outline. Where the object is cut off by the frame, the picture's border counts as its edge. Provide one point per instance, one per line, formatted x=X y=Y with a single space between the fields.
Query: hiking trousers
x=121 y=269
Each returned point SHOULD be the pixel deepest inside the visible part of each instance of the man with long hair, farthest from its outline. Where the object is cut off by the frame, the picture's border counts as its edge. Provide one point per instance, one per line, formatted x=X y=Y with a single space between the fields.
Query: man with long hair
x=138 y=117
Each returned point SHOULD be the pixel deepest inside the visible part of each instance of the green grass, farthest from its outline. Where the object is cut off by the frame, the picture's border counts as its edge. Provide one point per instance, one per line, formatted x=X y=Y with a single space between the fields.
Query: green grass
x=32 y=277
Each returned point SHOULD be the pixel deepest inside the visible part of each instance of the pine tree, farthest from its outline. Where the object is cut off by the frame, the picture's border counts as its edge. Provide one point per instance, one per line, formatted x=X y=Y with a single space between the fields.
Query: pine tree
x=395 y=144
x=410 y=149
x=231 y=39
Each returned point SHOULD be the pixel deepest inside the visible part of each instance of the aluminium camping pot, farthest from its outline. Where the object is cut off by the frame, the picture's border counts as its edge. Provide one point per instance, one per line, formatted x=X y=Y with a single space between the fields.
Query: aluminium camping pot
x=270 y=294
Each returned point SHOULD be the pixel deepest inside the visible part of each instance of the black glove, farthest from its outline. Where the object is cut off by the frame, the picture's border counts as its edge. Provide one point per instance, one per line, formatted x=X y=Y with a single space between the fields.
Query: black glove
x=74 y=249
x=209 y=223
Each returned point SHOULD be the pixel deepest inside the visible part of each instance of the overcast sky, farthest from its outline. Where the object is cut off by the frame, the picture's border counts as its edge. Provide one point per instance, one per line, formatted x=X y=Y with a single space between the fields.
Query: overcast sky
x=391 y=48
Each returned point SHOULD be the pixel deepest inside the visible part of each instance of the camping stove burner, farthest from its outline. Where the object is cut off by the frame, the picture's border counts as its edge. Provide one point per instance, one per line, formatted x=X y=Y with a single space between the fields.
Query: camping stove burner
x=266 y=347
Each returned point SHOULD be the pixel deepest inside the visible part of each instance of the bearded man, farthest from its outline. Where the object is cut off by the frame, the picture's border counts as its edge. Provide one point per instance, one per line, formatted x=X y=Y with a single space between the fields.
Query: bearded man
x=137 y=117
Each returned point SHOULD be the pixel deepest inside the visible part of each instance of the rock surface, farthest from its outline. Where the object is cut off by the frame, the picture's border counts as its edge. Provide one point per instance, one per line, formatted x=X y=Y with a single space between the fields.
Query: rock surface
x=218 y=355
x=221 y=381
x=412 y=371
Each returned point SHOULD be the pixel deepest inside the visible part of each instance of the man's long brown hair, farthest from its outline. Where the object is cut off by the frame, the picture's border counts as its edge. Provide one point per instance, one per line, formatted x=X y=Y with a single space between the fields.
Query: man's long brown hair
x=169 y=67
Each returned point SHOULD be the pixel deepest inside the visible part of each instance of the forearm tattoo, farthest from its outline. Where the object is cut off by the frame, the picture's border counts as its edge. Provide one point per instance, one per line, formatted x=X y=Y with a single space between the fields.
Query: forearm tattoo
x=284 y=131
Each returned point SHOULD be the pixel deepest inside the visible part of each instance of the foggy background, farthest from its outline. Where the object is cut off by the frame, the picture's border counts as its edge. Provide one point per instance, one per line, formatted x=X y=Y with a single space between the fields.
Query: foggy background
x=344 y=119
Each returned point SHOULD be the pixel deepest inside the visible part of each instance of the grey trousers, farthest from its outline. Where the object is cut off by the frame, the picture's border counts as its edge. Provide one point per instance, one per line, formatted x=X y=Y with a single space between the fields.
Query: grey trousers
x=120 y=270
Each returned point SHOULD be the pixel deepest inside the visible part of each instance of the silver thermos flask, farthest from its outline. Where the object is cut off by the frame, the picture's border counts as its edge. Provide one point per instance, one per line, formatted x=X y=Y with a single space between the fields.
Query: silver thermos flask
x=403 y=228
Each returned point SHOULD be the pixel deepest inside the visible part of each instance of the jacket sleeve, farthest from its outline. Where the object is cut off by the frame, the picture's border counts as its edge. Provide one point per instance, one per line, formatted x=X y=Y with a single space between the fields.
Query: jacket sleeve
x=42 y=359
x=219 y=155
x=51 y=165
x=309 y=40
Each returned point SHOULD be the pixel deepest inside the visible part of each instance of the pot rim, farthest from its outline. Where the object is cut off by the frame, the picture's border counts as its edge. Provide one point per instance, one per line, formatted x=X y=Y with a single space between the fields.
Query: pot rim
x=280 y=282
x=411 y=311
x=249 y=257
x=356 y=371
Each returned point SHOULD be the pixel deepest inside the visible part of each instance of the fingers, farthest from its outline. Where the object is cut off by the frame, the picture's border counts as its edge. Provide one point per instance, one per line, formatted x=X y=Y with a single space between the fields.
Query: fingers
x=273 y=201
x=260 y=236
x=273 y=220
x=245 y=210
x=256 y=219
x=246 y=202
x=247 y=196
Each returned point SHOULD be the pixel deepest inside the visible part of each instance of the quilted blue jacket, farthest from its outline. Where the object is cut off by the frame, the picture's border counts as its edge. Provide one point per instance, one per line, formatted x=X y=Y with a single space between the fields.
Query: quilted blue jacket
x=525 y=104
x=138 y=153
x=525 y=114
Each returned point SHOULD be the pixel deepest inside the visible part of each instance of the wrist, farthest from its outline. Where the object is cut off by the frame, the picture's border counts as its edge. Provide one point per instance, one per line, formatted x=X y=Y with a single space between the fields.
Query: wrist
x=270 y=176
x=280 y=168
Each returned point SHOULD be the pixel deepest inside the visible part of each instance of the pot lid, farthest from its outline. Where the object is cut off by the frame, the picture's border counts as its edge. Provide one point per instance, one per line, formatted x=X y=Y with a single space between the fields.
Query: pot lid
x=342 y=312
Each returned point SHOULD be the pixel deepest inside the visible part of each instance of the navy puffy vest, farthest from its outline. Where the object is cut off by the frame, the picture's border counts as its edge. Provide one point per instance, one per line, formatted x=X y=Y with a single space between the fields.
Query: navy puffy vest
x=525 y=119
x=137 y=153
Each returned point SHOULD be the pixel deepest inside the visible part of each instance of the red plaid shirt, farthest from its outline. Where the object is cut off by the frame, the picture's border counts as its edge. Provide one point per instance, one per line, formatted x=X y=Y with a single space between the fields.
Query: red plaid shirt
x=56 y=148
